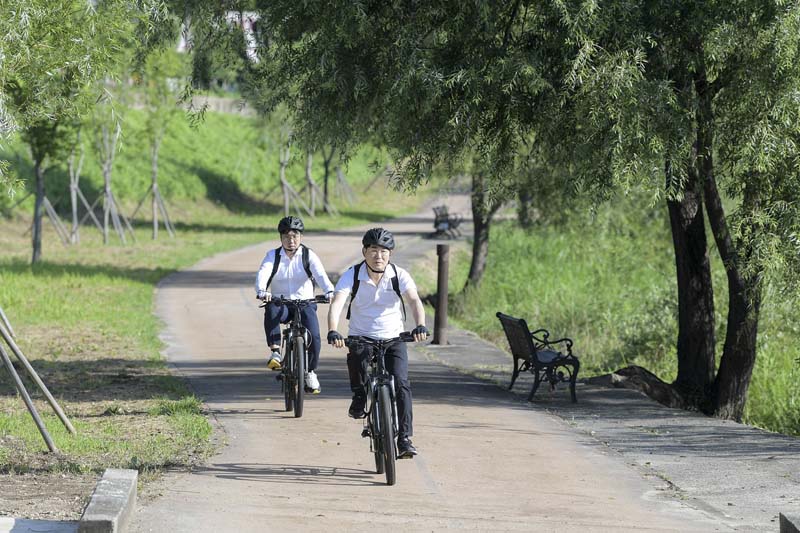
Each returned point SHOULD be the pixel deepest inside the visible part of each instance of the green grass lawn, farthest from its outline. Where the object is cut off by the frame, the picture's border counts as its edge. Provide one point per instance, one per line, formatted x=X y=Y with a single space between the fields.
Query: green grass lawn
x=84 y=315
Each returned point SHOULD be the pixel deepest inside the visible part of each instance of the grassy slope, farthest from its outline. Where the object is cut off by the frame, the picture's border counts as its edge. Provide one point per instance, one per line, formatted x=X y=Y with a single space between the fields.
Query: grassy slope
x=84 y=315
x=610 y=285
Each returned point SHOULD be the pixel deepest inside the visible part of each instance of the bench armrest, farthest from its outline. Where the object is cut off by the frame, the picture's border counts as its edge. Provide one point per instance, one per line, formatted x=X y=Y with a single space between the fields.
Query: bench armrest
x=541 y=340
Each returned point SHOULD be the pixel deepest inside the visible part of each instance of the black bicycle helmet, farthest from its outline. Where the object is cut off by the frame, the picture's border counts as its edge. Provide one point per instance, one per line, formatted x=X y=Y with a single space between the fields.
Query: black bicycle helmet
x=378 y=237
x=290 y=223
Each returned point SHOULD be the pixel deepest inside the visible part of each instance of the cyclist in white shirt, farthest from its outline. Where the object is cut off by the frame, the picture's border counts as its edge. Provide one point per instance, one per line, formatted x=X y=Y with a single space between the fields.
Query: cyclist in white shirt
x=292 y=276
x=378 y=288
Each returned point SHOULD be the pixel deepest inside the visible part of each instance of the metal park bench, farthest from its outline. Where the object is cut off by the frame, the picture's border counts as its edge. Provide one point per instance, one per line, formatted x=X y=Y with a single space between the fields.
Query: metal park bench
x=445 y=223
x=533 y=351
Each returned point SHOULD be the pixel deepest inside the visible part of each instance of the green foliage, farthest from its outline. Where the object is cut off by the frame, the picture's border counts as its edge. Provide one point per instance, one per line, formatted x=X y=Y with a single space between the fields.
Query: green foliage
x=608 y=283
x=649 y=81
x=229 y=159
x=433 y=82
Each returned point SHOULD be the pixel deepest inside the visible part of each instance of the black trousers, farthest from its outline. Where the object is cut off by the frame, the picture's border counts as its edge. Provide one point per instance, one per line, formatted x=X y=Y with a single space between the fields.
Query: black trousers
x=275 y=315
x=397 y=365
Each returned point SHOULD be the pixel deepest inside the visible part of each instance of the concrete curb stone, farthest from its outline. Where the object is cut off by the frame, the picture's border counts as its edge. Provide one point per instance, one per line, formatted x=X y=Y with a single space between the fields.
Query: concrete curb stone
x=790 y=523
x=111 y=504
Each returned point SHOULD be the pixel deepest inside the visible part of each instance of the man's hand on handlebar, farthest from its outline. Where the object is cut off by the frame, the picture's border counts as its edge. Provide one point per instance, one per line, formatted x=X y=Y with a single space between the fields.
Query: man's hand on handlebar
x=264 y=296
x=335 y=338
x=420 y=333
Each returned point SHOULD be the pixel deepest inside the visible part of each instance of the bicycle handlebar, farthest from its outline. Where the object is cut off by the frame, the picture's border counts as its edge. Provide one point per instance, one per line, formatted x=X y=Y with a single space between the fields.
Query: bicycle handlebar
x=280 y=300
x=405 y=336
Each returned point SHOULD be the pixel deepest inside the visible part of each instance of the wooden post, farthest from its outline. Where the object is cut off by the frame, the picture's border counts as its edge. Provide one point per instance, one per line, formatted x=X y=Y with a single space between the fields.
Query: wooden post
x=36 y=379
x=4 y=318
x=27 y=399
x=440 y=318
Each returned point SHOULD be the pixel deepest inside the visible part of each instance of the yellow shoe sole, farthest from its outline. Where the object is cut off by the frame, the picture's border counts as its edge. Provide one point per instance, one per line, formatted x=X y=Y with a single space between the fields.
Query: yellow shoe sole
x=273 y=365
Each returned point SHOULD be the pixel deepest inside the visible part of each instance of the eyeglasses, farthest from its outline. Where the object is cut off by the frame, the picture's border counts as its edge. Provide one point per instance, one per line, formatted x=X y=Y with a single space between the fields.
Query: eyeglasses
x=376 y=252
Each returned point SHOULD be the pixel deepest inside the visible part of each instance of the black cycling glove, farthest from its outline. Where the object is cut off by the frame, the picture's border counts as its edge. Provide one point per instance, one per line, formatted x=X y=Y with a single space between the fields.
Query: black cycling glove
x=334 y=336
x=420 y=330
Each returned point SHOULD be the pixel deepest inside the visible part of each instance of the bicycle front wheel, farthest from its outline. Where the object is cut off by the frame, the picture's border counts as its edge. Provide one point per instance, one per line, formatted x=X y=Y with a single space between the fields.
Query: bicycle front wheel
x=387 y=433
x=286 y=385
x=377 y=445
x=286 y=376
x=299 y=363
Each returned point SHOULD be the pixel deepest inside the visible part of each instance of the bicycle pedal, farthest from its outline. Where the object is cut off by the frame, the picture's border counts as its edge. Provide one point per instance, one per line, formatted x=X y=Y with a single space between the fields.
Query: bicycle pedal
x=365 y=433
x=279 y=377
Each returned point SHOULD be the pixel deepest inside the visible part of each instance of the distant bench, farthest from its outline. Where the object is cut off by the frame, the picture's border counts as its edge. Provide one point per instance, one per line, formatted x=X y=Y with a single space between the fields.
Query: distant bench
x=533 y=351
x=445 y=223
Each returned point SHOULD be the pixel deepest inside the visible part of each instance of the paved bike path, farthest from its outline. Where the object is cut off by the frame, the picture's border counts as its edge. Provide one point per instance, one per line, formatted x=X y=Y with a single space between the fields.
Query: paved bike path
x=488 y=461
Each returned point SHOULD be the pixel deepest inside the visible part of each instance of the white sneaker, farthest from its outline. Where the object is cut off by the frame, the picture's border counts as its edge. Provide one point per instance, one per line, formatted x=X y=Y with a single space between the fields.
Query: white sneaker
x=274 y=362
x=312 y=383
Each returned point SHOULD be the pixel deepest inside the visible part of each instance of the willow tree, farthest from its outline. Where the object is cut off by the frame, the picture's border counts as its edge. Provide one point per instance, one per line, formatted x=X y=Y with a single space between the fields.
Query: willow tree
x=440 y=83
x=54 y=51
x=702 y=97
x=696 y=99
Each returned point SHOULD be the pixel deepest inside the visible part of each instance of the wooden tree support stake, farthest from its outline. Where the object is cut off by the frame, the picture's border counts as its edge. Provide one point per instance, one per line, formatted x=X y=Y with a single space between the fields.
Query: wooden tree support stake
x=61 y=230
x=162 y=208
x=36 y=379
x=27 y=399
x=344 y=187
x=90 y=211
x=4 y=318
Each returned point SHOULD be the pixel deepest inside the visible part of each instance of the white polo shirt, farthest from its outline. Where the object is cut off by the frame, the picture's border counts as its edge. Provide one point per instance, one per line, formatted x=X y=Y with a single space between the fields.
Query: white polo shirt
x=376 y=311
x=291 y=279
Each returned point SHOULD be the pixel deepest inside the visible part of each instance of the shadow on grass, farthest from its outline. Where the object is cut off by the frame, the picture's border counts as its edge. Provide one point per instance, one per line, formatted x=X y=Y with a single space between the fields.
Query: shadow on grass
x=50 y=269
x=98 y=380
x=225 y=191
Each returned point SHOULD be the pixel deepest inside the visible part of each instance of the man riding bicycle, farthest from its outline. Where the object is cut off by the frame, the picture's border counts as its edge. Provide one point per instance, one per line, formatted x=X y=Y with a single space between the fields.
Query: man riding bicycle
x=378 y=288
x=292 y=275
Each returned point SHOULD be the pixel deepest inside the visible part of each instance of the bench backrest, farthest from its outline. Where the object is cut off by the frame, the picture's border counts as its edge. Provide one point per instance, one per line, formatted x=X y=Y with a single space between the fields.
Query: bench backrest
x=518 y=335
x=440 y=211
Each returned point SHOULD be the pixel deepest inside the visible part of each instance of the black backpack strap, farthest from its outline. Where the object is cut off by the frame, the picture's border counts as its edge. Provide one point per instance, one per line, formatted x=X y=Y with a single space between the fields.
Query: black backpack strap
x=396 y=287
x=307 y=264
x=356 y=282
x=275 y=265
x=354 y=290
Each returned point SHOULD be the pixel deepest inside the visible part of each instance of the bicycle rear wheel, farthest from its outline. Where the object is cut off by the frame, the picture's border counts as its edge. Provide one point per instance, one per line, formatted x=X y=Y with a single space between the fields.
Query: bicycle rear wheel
x=299 y=363
x=387 y=433
x=377 y=445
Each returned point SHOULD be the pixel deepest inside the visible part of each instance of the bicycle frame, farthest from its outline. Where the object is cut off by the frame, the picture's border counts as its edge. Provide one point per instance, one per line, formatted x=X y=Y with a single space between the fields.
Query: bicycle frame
x=382 y=439
x=378 y=377
x=294 y=371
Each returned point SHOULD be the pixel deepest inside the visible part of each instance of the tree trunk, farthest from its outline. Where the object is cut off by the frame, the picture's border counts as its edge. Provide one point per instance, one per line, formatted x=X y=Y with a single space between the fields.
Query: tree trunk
x=739 y=353
x=744 y=292
x=326 y=161
x=483 y=209
x=695 y=295
x=154 y=177
x=744 y=305
x=310 y=181
x=37 y=210
x=524 y=208
x=74 y=183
